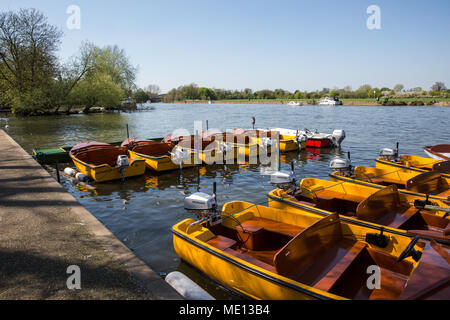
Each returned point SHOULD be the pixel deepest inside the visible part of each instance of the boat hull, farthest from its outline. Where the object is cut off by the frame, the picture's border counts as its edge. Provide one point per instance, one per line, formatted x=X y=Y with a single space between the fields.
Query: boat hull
x=105 y=172
x=159 y=163
x=410 y=195
x=408 y=165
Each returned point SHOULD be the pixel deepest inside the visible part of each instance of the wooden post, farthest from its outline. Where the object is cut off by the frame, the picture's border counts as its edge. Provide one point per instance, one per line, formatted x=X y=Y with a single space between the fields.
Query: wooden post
x=57 y=172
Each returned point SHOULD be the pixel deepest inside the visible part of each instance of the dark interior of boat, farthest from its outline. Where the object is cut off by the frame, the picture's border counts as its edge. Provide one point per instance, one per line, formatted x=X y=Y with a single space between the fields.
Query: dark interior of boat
x=232 y=138
x=383 y=208
x=98 y=155
x=191 y=143
x=319 y=256
x=154 y=148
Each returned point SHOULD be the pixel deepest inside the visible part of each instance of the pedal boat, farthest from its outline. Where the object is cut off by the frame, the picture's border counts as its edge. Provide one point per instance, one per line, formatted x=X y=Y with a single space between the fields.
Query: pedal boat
x=415 y=186
x=270 y=254
x=363 y=205
x=201 y=150
x=286 y=143
x=415 y=164
x=98 y=161
x=239 y=141
x=157 y=155
x=439 y=152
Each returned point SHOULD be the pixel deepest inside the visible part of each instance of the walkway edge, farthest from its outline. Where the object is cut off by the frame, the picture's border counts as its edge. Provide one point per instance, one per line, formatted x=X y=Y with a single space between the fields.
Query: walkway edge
x=144 y=275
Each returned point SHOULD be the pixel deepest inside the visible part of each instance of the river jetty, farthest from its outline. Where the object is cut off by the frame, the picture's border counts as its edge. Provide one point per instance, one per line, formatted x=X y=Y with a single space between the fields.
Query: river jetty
x=45 y=230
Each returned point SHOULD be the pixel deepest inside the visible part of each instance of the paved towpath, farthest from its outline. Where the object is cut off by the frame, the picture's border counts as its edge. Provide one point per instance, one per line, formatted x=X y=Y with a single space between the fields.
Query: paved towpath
x=44 y=230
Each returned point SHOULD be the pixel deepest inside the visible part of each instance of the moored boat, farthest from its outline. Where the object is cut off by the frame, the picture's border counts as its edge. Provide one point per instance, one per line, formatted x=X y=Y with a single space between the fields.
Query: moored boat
x=266 y=253
x=158 y=155
x=104 y=162
x=364 y=205
x=417 y=186
x=412 y=163
x=313 y=139
x=294 y=104
x=439 y=152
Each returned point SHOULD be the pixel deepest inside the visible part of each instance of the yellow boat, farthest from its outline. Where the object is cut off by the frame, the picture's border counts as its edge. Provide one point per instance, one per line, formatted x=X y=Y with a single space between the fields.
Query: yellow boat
x=201 y=151
x=286 y=143
x=271 y=254
x=364 y=205
x=415 y=164
x=99 y=161
x=157 y=155
x=412 y=184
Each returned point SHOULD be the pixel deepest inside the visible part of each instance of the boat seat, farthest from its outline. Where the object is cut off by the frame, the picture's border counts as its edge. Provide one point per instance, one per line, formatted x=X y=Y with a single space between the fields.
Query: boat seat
x=221 y=242
x=403 y=218
x=256 y=224
x=328 y=281
x=250 y=259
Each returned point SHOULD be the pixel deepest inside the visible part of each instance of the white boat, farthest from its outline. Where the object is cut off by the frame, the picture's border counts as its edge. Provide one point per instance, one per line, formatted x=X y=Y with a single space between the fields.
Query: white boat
x=294 y=104
x=315 y=139
x=439 y=152
x=330 y=102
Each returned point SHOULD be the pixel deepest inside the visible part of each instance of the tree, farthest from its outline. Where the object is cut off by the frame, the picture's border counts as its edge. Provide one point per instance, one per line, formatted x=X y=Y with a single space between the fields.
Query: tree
x=206 y=94
x=438 y=86
x=97 y=89
x=152 y=90
x=334 y=93
x=363 y=91
x=141 y=96
x=28 y=62
x=398 y=87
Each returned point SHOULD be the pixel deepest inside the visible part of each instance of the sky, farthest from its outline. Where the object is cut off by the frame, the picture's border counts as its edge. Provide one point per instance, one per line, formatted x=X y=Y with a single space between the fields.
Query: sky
x=259 y=44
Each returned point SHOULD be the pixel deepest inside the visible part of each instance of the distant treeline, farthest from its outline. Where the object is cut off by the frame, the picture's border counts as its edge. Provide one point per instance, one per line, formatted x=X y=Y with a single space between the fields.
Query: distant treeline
x=193 y=92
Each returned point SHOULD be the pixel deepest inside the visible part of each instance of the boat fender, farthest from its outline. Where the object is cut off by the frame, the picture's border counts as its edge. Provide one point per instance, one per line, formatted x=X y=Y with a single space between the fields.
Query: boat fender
x=82 y=177
x=70 y=172
x=186 y=287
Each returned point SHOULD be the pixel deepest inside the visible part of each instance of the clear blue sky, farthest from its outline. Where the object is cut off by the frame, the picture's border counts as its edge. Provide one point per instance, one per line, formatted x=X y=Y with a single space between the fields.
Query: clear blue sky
x=260 y=44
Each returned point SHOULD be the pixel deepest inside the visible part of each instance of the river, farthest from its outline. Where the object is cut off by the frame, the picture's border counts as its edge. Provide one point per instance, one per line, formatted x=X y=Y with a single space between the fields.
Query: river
x=141 y=211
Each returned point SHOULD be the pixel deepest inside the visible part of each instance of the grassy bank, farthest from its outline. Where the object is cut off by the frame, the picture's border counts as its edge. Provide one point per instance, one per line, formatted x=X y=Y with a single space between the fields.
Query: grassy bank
x=349 y=102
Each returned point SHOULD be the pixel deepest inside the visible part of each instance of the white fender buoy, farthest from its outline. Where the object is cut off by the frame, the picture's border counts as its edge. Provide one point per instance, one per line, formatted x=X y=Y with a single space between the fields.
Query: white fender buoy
x=186 y=287
x=70 y=172
x=82 y=177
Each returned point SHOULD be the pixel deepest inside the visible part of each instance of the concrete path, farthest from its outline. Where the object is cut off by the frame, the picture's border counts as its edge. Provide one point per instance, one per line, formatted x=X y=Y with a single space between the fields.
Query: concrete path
x=44 y=230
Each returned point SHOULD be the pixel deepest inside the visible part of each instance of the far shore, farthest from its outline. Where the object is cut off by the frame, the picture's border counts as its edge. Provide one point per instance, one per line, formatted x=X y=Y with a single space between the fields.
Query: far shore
x=345 y=102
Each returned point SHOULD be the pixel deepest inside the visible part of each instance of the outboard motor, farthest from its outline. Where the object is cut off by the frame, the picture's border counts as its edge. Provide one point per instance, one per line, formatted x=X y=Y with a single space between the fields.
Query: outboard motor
x=284 y=180
x=338 y=136
x=179 y=156
x=343 y=166
x=389 y=154
x=122 y=164
x=300 y=138
x=266 y=143
x=203 y=205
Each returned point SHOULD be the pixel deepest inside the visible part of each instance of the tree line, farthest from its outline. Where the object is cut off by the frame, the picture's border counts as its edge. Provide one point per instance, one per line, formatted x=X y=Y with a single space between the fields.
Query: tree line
x=34 y=82
x=193 y=92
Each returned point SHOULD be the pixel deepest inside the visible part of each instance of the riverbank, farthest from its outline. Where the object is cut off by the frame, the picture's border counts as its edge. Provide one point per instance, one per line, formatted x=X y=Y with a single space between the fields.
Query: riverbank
x=45 y=230
x=346 y=102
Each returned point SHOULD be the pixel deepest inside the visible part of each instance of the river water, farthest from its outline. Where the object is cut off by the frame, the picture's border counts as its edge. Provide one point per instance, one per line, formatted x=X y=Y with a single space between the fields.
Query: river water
x=141 y=211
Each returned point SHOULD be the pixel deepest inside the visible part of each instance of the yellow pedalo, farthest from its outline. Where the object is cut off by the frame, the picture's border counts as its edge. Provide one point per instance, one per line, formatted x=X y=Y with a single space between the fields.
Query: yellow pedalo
x=272 y=254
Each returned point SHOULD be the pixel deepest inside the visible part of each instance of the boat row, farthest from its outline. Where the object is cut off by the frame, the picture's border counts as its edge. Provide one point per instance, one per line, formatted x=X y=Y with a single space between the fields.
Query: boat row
x=105 y=162
x=343 y=238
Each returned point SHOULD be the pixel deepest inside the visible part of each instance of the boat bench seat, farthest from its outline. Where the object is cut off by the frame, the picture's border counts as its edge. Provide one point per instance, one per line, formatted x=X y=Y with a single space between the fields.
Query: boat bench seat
x=250 y=259
x=329 y=280
x=221 y=242
x=257 y=224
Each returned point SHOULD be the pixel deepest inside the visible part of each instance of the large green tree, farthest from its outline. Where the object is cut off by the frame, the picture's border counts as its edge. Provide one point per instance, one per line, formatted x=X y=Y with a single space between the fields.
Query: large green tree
x=28 y=61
